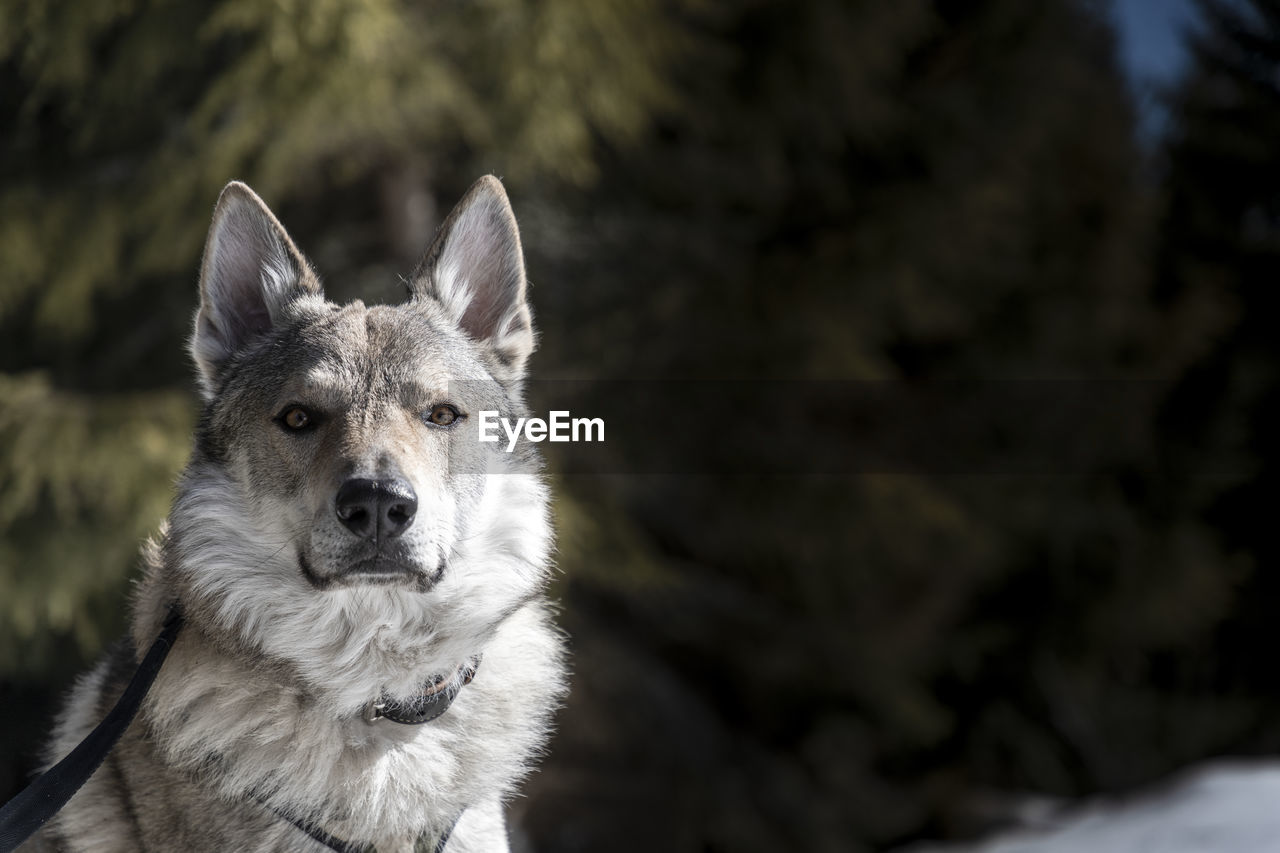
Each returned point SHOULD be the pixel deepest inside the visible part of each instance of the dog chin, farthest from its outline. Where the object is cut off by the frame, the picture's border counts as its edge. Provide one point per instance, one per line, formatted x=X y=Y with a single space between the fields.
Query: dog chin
x=377 y=570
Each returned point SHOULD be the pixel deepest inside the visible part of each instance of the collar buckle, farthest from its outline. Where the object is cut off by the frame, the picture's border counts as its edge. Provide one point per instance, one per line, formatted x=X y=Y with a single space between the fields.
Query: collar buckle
x=373 y=710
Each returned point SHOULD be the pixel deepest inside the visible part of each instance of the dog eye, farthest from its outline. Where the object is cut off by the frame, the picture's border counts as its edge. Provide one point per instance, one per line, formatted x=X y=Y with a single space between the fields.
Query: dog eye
x=443 y=415
x=295 y=418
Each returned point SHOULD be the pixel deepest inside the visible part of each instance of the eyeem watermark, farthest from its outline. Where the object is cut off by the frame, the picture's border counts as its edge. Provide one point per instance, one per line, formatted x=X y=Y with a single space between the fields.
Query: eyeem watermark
x=560 y=427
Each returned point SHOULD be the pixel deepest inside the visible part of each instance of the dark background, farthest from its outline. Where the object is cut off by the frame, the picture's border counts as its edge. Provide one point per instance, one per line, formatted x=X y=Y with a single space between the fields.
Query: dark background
x=911 y=195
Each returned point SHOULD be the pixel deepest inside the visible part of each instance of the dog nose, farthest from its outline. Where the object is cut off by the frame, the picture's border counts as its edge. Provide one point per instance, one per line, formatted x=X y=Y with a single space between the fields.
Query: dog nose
x=376 y=509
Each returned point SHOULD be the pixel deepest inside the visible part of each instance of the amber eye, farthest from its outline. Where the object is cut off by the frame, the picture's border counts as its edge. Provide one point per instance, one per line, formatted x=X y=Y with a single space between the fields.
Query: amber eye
x=443 y=415
x=296 y=418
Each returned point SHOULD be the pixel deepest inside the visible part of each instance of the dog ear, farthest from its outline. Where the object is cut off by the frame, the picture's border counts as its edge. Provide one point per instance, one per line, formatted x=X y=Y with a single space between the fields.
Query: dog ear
x=251 y=271
x=475 y=271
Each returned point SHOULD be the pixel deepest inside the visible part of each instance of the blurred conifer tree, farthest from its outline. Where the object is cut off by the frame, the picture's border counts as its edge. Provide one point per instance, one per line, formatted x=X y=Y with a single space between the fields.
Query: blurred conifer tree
x=1218 y=271
x=912 y=191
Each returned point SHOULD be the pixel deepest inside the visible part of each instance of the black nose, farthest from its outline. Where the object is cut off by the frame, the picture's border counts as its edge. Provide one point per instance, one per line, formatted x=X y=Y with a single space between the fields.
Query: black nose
x=376 y=509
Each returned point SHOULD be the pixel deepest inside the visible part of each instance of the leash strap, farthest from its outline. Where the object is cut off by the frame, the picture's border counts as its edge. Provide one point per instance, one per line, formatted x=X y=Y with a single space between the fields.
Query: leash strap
x=339 y=846
x=39 y=801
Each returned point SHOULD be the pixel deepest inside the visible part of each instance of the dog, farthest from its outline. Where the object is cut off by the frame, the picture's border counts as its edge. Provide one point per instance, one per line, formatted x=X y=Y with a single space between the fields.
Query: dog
x=348 y=559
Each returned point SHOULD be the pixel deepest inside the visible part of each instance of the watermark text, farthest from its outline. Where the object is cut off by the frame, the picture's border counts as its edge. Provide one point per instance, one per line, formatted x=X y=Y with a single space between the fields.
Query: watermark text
x=560 y=426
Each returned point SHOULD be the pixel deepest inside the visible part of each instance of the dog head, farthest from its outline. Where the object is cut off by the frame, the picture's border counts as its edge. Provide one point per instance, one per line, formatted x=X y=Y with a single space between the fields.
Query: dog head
x=340 y=512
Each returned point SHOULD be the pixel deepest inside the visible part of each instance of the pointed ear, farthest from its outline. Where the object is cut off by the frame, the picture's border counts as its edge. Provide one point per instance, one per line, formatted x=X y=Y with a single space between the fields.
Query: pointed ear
x=251 y=272
x=475 y=271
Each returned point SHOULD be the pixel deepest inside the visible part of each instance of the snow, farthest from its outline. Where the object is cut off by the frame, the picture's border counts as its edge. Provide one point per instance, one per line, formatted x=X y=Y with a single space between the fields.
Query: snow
x=1215 y=808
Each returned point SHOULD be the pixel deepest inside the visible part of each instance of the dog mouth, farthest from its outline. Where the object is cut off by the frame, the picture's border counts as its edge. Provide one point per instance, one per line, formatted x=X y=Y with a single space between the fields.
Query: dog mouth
x=375 y=570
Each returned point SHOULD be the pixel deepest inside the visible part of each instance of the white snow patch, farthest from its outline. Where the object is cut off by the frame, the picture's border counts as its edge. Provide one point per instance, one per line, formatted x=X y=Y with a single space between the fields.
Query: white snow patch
x=1222 y=807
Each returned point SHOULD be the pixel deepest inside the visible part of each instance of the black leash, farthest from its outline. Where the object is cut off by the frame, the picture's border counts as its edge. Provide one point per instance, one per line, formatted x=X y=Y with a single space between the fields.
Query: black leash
x=49 y=792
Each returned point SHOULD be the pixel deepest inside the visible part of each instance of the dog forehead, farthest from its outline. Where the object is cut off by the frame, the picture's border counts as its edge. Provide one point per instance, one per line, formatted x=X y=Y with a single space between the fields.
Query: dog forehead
x=392 y=343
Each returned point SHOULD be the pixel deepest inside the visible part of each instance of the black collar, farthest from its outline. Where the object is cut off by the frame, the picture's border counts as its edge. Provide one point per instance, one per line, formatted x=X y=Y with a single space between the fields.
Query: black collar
x=432 y=701
x=337 y=845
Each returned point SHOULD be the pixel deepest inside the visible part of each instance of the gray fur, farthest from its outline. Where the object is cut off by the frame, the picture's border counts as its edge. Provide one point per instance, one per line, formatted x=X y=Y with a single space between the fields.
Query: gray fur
x=263 y=693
